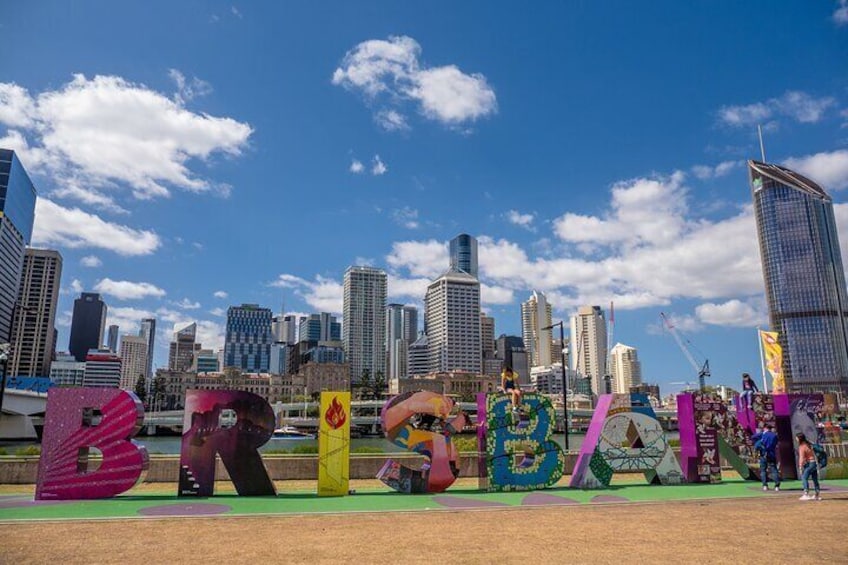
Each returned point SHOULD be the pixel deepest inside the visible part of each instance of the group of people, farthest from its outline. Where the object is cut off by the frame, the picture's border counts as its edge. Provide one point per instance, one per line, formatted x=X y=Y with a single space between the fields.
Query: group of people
x=765 y=442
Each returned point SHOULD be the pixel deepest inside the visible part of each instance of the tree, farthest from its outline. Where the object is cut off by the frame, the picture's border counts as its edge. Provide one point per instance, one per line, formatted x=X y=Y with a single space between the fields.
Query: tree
x=380 y=385
x=364 y=386
x=141 y=388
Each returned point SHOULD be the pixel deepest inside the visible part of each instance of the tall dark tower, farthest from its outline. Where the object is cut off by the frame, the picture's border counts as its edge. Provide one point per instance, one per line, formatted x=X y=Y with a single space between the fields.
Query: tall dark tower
x=804 y=278
x=87 y=325
x=463 y=254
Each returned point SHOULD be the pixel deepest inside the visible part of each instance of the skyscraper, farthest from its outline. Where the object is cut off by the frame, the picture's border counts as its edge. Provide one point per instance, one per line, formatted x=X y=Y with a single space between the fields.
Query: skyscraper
x=487 y=335
x=463 y=254
x=182 y=350
x=452 y=314
x=112 y=339
x=535 y=315
x=285 y=329
x=401 y=331
x=804 y=277
x=33 y=329
x=148 y=331
x=364 y=321
x=589 y=345
x=513 y=354
x=87 y=325
x=248 y=339
x=133 y=360
x=17 y=212
x=625 y=368
x=102 y=369
x=319 y=327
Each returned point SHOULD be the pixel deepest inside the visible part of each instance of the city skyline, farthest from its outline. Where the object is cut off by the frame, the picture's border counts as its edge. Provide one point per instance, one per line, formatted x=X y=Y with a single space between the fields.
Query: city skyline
x=601 y=172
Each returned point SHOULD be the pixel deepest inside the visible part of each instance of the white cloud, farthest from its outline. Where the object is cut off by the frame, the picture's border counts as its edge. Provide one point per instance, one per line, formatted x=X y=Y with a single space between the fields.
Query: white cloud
x=427 y=259
x=378 y=168
x=732 y=313
x=406 y=217
x=126 y=318
x=323 y=294
x=705 y=172
x=220 y=294
x=236 y=12
x=187 y=304
x=522 y=220
x=390 y=73
x=220 y=312
x=187 y=90
x=830 y=169
x=76 y=286
x=356 y=166
x=127 y=290
x=491 y=294
x=106 y=132
x=797 y=105
x=840 y=15
x=210 y=334
x=399 y=287
x=71 y=227
x=91 y=261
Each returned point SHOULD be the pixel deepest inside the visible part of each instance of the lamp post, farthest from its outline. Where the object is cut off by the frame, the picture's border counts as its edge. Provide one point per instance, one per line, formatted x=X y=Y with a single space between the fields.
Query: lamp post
x=564 y=380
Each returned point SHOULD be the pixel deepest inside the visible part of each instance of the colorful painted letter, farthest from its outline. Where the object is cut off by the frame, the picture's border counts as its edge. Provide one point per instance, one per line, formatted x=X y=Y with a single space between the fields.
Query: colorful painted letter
x=709 y=430
x=624 y=436
x=78 y=421
x=520 y=454
x=334 y=444
x=417 y=421
x=233 y=424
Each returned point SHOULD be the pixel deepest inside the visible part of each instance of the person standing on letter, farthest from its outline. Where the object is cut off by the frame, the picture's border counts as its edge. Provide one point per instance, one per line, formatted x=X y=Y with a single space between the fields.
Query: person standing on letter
x=749 y=387
x=509 y=383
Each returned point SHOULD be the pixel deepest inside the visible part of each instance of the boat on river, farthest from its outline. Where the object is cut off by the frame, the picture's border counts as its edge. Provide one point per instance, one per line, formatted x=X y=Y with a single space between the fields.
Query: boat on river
x=290 y=432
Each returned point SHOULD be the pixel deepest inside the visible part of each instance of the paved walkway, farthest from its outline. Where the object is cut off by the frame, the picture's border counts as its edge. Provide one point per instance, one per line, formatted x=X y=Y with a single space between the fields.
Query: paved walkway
x=21 y=508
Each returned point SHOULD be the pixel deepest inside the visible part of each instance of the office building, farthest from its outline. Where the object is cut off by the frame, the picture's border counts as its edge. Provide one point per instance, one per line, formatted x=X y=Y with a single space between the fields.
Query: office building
x=66 y=370
x=625 y=369
x=511 y=352
x=278 y=365
x=102 y=369
x=319 y=327
x=205 y=361
x=112 y=338
x=133 y=360
x=452 y=316
x=804 y=277
x=418 y=360
x=87 y=325
x=17 y=212
x=247 y=344
x=589 y=345
x=183 y=349
x=364 y=320
x=463 y=254
x=401 y=330
x=147 y=329
x=284 y=329
x=535 y=315
x=487 y=335
x=34 y=326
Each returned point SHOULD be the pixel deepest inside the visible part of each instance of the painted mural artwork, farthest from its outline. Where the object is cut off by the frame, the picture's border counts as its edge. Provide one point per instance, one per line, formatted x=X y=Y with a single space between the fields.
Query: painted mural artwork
x=334 y=444
x=520 y=453
x=709 y=431
x=625 y=436
x=421 y=422
x=233 y=425
x=79 y=423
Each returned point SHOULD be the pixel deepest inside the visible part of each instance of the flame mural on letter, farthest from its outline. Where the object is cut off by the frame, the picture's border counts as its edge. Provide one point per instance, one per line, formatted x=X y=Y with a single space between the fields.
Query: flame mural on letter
x=335 y=415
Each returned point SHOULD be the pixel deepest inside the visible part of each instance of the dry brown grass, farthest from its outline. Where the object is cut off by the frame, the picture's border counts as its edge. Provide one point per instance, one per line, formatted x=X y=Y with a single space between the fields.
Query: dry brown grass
x=772 y=530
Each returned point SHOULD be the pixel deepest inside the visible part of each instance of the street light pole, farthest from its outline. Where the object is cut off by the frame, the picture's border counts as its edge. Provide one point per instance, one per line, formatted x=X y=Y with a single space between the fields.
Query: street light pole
x=564 y=379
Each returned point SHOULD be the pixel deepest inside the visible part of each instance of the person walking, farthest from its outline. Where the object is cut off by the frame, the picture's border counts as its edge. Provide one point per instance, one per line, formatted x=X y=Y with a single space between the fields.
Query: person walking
x=765 y=442
x=808 y=466
x=749 y=387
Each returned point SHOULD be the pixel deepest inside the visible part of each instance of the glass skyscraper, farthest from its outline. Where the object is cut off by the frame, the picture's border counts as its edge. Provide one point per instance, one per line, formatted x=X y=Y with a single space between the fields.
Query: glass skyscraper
x=463 y=254
x=248 y=341
x=804 y=277
x=87 y=325
x=17 y=213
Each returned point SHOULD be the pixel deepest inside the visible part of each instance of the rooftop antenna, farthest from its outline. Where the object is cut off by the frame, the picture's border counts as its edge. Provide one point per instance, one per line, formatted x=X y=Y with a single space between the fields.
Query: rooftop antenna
x=762 y=148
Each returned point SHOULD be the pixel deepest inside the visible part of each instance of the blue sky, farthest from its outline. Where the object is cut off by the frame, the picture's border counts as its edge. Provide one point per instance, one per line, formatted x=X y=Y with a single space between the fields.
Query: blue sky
x=194 y=155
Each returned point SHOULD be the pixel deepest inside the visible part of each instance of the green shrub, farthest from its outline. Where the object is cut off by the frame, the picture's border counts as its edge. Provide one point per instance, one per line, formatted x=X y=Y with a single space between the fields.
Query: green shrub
x=836 y=469
x=275 y=451
x=305 y=449
x=368 y=449
x=465 y=444
x=674 y=442
x=3 y=451
x=29 y=450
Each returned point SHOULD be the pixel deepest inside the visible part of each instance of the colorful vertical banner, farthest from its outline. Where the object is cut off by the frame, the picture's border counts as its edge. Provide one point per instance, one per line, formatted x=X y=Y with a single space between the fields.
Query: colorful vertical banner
x=334 y=444
x=773 y=354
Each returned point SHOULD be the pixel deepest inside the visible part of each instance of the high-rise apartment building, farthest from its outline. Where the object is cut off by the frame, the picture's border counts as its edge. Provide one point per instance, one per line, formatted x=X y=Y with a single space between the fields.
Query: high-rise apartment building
x=804 y=277
x=535 y=315
x=401 y=331
x=87 y=325
x=17 y=212
x=512 y=353
x=112 y=338
x=284 y=329
x=67 y=371
x=147 y=329
x=463 y=254
x=364 y=320
x=452 y=314
x=625 y=369
x=34 y=327
x=487 y=335
x=319 y=327
x=133 y=360
x=248 y=338
x=589 y=345
x=182 y=350
x=205 y=361
x=102 y=369
x=418 y=362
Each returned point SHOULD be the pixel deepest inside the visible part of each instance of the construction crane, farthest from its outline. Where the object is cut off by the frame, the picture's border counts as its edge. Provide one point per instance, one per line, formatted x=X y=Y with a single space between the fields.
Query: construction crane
x=703 y=370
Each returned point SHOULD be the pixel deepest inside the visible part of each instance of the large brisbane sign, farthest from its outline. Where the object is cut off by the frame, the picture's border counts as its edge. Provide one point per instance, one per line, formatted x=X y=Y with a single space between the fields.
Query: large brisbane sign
x=516 y=449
